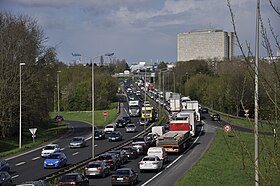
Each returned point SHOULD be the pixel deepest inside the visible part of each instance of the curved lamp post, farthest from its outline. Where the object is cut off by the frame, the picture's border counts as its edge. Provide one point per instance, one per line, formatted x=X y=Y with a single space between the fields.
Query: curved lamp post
x=92 y=89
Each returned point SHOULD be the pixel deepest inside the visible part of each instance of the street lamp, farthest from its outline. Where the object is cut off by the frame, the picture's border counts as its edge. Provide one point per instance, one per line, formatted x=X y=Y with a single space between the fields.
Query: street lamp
x=92 y=89
x=58 y=89
x=21 y=64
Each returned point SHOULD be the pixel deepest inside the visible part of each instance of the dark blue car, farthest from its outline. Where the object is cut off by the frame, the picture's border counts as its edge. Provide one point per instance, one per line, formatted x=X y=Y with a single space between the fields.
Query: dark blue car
x=4 y=165
x=55 y=160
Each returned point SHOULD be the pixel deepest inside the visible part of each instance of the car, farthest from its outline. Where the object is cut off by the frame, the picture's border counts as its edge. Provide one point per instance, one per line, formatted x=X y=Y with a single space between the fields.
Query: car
x=110 y=128
x=127 y=119
x=121 y=155
x=216 y=117
x=97 y=168
x=124 y=176
x=110 y=159
x=5 y=179
x=55 y=160
x=77 y=142
x=150 y=139
x=204 y=110
x=58 y=118
x=141 y=146
x=49 y=149
x=34 y=183
x=130 y=128
x=150 y=163
x=73 y=179
x=130 y=151
x=120 y=123
x=99 y=134
x=143 y=121
x=159 y=152
x=4 y=165
x=115 y=136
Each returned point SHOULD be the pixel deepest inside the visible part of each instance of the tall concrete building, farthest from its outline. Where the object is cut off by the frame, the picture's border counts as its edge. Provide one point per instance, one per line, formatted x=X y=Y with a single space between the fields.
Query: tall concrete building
x=205 y=44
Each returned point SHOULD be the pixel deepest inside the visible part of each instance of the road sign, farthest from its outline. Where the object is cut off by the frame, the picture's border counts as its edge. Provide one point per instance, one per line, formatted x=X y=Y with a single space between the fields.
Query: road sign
x=33 y=130
x=105 y=114
x=227 y=128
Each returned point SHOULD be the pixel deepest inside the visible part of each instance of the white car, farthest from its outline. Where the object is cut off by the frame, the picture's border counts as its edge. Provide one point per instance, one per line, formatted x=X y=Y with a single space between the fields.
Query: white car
x=150 y=163
x=49 y=149
x=110 y=128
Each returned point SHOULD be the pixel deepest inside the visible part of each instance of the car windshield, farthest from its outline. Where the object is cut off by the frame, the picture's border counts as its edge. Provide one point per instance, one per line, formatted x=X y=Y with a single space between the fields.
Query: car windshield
x=122 y=172
x=54 y=156
x=49 y=147
x=68 y=178
x=107 y=157
x=77 y=139
x=94 y=165
x=130 y=125
x=149 y=159
x=109 y=126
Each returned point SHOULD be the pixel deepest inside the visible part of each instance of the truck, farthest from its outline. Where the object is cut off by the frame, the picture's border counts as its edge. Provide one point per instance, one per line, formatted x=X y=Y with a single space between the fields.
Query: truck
x=178 y=137
x=168 y=95
x=134 y=108
x=148 y=113
x=192 y=105
x=192 y=120
x=174 y=105
x=159 y=130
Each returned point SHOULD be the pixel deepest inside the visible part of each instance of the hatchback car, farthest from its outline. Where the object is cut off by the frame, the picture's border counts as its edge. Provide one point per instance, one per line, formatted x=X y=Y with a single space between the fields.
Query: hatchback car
x=4 y=165
x=127 y=119
x=130 y=128
x=97 y=168
x=78 y=142
x=55 y=160
x=110 y=159
x=73 y=179
x=5 y=179
x=121 y=155
x=110 y=128
x=204 y=110
x=120 y=123
x=159 y=152
x=130 y=151
x=49 y=149
x=58 y=118
x=141 y=146
x=115 y=136
x=150 y=163
x=99 y=134
x=124 y=176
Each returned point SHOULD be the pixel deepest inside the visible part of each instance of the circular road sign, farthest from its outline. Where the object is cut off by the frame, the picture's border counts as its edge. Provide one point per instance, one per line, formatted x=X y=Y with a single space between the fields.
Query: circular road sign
x=227 y=128
x=105 y=114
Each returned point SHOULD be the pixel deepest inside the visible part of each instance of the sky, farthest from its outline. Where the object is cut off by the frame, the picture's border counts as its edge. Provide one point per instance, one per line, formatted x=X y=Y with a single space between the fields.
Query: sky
x=136 y=30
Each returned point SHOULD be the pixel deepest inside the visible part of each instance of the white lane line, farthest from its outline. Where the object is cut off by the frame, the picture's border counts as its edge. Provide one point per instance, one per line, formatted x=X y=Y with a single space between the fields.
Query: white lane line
x=173 y=161
x=75 y=153
x=15 y=176
x=36 y=158
x=21 y=163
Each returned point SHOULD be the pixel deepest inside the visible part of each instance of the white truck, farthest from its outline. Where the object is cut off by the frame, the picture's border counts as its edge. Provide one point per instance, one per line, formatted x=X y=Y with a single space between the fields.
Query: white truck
x=175 y=105
x=159 y=130
x=134 y=108
x=193 y=105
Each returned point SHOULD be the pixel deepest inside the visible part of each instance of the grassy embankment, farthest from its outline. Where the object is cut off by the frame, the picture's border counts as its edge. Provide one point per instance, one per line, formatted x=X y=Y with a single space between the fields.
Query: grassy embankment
x=229 y=161
x=9 y=147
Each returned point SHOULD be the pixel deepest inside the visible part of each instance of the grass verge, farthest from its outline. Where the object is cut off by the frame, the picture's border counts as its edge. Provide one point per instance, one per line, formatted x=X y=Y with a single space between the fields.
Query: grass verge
x=229 y=161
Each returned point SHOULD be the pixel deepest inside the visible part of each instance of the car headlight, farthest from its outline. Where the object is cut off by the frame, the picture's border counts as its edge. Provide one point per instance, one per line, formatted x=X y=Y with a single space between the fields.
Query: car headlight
x=56 y=162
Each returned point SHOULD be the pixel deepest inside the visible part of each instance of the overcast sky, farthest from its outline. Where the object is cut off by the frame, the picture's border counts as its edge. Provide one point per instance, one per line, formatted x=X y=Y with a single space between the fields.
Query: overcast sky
x=135 y=30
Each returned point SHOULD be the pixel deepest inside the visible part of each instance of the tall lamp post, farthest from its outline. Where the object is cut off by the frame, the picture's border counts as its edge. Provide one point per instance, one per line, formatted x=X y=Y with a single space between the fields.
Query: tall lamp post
x=92 y=89
x=58 y=92
x=20 y=65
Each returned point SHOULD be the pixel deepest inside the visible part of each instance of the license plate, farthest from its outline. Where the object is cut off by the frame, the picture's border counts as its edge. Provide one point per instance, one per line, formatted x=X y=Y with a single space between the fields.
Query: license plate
x=120 y=179
x=113 y=138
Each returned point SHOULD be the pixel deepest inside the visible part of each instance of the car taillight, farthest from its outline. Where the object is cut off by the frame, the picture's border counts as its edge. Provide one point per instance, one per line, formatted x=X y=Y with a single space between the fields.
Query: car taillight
x=126 y=178
x=141 y=163
x=133 y=152
x=99 y=168
x=110 y=160
x=86 y=168
x=113 y=178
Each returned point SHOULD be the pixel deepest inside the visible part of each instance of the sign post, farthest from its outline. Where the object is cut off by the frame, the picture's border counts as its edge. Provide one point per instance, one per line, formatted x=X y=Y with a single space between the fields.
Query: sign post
x=227 y=128
x=105 y=114
x=33 y=132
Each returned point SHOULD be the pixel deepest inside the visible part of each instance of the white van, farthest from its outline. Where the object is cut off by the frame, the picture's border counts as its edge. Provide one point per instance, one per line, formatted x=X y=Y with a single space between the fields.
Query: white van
x=158 y=151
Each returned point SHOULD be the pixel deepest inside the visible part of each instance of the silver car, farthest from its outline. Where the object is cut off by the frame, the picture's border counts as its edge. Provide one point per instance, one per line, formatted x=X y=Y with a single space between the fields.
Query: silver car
x=77 y=142
x=130 y=127
x=97 y=168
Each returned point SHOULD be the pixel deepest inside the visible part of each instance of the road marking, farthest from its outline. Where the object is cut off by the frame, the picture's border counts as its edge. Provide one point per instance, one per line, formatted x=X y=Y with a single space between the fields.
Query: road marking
x=15 y=176
x=36 y=158
x=62 y=149
x=75 y=153
x=173 y=161
x=21 y=163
